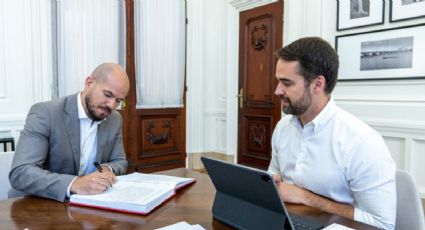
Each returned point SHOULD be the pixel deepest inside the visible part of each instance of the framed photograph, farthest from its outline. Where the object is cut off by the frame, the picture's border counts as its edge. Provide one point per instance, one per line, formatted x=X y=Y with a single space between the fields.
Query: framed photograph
x=382 y=54
x=359 y=13
x=406 y=9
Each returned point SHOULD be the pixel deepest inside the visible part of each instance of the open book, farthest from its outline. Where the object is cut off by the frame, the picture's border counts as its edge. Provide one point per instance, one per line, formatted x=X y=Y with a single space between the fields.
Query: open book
x=134 y=193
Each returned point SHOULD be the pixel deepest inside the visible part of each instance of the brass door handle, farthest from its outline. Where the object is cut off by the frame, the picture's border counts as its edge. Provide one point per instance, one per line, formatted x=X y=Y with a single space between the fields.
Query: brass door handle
x=240 y=95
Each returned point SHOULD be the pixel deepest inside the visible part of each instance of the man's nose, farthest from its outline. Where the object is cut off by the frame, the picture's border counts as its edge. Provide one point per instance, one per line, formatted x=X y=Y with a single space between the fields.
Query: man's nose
x=112 y=103
x=279 y=90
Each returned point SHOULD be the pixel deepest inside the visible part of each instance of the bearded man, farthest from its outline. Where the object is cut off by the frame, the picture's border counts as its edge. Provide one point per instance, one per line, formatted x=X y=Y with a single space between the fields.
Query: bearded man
x=64 y=139
x=322 y=156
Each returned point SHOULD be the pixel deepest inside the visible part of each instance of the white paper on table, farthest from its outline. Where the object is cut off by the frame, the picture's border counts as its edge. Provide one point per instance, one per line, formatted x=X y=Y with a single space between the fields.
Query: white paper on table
x=336 y=226
x=182 y=226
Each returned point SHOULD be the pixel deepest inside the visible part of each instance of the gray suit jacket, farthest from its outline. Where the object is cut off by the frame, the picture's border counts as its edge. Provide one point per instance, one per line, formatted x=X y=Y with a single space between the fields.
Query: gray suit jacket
x=47 y=156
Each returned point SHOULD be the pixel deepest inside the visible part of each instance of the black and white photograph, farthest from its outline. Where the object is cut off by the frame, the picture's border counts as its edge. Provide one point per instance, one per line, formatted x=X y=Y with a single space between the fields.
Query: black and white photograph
x=406 y=2
x=359 y=13
x=401 y=10
x=359 y=8
x=382 y=54
x=394 y=53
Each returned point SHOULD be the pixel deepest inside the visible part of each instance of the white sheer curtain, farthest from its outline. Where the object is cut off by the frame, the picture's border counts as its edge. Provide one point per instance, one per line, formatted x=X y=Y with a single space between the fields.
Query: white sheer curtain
x=160 y=52
x=89 y=33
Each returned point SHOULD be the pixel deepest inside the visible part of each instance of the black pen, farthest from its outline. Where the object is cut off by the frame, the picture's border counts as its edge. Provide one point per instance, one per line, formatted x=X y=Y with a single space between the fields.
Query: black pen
x=98 y=167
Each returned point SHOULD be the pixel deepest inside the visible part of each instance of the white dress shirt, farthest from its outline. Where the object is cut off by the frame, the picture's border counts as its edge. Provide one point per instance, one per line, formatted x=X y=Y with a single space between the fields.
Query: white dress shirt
x=88 y=142
x=338 y=156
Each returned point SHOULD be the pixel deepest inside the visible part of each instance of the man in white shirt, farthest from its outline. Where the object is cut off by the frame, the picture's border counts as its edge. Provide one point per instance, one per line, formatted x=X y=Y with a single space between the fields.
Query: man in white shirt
x=322 y=156
x=64 y=139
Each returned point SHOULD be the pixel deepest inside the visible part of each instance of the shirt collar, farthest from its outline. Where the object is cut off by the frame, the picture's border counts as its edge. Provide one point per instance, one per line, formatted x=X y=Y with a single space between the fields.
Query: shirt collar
x=320 y=120
x=325 y=115
x=82 y=113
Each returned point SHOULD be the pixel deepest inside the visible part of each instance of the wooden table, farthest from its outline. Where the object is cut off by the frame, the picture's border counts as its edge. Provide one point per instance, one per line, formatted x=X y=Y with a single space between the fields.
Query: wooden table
x=191 y=204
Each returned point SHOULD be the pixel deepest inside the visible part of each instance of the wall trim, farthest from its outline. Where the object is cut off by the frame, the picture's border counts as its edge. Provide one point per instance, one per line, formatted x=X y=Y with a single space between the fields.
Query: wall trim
x=12 y=119
x=397 y=126
x=380 y=99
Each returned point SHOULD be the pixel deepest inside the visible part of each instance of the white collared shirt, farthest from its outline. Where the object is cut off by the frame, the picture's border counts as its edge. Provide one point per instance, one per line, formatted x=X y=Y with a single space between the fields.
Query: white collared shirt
x=338 y=156
x=88 y=141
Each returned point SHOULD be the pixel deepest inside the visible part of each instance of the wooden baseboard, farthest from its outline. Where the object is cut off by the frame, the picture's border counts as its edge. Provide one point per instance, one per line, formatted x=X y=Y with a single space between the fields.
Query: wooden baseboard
x=194 y=159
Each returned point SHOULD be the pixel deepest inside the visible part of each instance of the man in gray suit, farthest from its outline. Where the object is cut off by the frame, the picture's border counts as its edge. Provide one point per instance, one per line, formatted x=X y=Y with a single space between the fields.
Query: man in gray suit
x=62 y=139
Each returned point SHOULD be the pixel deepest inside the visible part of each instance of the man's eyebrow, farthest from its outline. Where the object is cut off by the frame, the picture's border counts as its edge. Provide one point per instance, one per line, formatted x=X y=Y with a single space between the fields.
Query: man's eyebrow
x=109 y=92
x=112 y=94
x=283 y=78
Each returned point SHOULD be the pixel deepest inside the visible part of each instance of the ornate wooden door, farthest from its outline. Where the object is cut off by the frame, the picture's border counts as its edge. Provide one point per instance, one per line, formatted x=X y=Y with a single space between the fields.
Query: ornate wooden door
x=260 y=35
x=154 y=139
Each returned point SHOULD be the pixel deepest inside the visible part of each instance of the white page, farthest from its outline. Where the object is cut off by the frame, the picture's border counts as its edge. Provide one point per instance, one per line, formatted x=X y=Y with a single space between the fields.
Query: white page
x=336 y=226
x=137 y=193
x=182 y=226
x=155 y=178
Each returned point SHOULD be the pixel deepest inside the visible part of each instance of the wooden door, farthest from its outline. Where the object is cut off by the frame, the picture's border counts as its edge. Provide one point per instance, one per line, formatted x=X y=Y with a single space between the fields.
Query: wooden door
x=260 y=35
x=154 y=139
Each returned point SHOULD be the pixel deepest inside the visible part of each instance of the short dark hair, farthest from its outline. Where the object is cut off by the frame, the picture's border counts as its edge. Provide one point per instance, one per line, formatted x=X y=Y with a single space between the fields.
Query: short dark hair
x=315 y=57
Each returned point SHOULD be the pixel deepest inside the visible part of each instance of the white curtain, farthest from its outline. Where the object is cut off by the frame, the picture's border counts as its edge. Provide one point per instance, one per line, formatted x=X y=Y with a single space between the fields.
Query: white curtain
x=89 y=33
x=160 y=52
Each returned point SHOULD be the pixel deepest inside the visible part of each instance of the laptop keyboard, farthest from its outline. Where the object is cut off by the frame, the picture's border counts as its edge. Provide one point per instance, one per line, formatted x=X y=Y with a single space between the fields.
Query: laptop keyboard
x=299 y=226
x=301 y=223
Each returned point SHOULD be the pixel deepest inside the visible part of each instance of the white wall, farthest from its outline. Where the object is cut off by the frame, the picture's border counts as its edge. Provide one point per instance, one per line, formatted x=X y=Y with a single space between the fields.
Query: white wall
x=25 y=60
x=206 y=75
x=27 y=54
x=212 y=74
x=214 y=77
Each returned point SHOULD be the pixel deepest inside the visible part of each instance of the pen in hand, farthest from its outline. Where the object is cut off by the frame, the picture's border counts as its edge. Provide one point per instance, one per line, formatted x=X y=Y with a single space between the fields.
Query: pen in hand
x=98 y=167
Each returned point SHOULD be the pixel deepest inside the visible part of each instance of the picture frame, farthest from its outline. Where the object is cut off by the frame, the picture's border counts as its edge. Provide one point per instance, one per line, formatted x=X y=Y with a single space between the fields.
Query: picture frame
x=395 y=53
x=401 y=10
x=359 y=13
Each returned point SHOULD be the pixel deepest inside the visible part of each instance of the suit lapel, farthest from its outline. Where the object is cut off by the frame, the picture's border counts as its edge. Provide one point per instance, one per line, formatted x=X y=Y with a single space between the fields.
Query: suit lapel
x=72 y=123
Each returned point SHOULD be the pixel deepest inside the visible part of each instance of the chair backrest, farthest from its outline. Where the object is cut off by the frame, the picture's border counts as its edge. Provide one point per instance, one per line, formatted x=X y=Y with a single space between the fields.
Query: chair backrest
x=6 y=159
x=410 y=214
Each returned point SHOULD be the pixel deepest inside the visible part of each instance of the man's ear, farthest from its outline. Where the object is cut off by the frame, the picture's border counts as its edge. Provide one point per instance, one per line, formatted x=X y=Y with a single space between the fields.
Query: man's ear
x=319 y=84
x=89 y=81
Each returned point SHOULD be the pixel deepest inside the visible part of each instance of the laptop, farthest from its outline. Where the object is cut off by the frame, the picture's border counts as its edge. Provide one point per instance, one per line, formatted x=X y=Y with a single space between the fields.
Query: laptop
x=247 y=198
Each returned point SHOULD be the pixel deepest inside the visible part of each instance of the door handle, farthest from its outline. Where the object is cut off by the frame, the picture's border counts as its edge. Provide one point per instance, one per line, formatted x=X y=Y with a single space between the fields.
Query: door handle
x=240 y=95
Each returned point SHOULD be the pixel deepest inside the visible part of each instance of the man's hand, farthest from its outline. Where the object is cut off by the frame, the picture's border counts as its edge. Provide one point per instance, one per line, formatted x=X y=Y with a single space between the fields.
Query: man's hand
x=292 y=193
x=94 y=183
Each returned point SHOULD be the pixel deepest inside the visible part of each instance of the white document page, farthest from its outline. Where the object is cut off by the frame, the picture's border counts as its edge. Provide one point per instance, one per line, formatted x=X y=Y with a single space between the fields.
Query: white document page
x=137 y=193
x=182 y=226
x=336 y=226
x=155 y=178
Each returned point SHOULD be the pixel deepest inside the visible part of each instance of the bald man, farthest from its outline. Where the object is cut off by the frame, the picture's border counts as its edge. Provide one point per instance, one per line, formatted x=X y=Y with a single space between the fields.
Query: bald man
x=64 y=138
